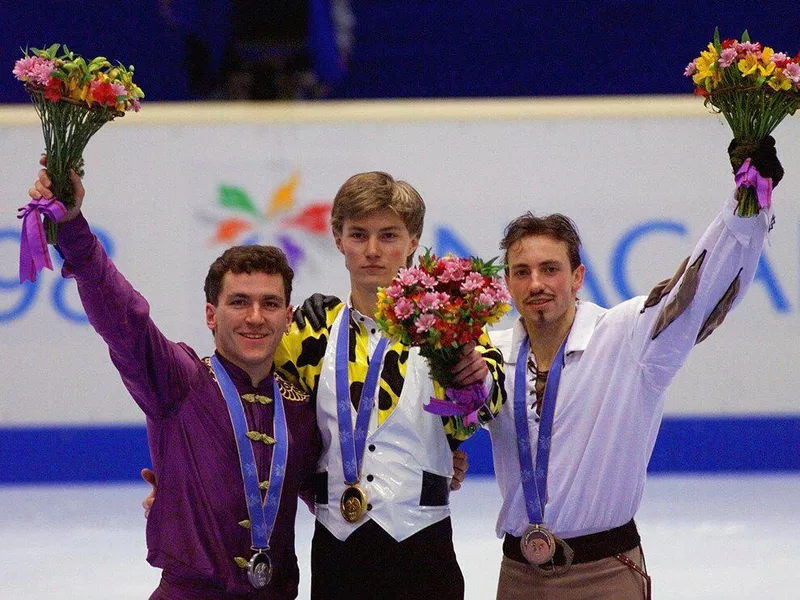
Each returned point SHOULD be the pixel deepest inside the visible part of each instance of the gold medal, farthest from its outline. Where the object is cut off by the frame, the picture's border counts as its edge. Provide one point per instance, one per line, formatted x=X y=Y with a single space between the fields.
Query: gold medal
x=537 y=544
x=353 y=504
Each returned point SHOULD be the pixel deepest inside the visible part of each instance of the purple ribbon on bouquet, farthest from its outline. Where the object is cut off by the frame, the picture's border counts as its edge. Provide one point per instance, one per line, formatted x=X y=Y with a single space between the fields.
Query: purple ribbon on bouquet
x=33 y=253
x=748 y=176
x=464 y=401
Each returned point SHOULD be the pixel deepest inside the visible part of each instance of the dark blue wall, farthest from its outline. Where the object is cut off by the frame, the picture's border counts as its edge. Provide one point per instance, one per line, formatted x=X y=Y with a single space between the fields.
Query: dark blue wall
x=685 y=444
x=428 y=48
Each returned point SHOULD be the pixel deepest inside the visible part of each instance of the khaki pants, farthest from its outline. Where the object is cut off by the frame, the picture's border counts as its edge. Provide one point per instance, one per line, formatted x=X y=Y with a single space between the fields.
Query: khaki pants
x=601 y=579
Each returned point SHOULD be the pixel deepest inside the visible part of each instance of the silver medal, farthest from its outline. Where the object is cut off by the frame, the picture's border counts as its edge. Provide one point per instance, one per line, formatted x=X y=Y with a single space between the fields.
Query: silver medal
x=259 y=570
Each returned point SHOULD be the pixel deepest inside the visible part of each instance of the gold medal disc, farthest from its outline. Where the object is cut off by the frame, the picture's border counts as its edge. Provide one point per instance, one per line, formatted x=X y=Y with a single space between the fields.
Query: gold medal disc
x=353 y=504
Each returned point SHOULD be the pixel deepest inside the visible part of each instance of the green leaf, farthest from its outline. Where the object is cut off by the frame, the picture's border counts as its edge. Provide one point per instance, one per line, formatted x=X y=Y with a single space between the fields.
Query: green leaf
x=97 y=64
x=717 y=44
x=51 y=51
x=745 y=36
x=66 y=50
x=236 y=198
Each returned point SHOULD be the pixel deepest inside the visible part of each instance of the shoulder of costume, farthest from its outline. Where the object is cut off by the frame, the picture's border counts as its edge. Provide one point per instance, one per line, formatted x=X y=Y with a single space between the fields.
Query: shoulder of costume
x=290 y=391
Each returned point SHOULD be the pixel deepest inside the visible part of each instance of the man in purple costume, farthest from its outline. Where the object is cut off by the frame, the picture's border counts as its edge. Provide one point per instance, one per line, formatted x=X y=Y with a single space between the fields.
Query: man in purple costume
x=198 y=530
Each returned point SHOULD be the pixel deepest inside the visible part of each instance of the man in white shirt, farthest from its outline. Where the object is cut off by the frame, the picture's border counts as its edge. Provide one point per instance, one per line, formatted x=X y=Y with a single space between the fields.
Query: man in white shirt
x=587 y=390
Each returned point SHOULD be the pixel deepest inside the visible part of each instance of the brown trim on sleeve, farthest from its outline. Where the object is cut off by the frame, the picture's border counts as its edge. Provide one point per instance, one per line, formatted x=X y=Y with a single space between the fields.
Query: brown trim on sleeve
x=664 y=287
x=721 y=310
x=682 y=298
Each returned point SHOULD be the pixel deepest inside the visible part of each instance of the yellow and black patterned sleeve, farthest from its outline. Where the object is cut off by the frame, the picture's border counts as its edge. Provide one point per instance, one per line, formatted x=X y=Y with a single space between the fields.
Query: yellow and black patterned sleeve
x=454 y=426
x=298 y=357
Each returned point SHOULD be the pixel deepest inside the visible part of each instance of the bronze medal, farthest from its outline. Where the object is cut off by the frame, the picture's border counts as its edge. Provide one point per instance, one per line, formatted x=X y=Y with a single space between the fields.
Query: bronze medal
x=537 y=544
x=353 y=504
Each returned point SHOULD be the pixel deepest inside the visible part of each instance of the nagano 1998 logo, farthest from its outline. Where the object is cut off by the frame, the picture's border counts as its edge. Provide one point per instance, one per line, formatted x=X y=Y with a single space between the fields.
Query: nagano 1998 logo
x=279 y=219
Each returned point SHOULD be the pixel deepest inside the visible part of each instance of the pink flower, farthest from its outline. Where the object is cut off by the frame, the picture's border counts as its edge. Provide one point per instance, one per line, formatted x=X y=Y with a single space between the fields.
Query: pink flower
x=792 y=71
x=34 y=69
x=473 y=281
x=501 y=292
x=425 y=322
x=453 y=270
x=136 y=105
x=691 y=68
x=404 y=308
x=429 y=281
x=394 y=291
x=408 y=277
x=743 y=48
x=486 y=299
x=119 y=90
x=727 y=58
x=429 y=301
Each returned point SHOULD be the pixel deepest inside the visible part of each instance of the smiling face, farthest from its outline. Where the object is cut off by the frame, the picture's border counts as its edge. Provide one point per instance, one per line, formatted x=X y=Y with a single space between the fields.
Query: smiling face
x=249 y=320
x=542 y=283
x=375 y=246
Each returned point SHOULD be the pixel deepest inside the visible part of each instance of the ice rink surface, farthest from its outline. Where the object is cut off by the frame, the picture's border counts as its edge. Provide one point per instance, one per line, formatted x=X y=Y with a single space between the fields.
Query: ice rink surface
x=721 y=537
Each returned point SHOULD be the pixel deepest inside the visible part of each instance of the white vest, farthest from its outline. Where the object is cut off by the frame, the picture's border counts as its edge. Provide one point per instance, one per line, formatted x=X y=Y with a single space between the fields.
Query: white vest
x=408 y=442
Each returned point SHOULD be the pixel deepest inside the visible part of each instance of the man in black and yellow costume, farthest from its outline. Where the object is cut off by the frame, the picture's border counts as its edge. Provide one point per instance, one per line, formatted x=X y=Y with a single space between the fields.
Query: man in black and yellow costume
x=383 y=525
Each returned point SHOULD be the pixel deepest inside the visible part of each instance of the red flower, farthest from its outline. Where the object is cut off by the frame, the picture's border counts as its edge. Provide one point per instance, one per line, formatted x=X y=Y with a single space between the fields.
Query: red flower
x=53 y=89
x=797 y=58
x=104 y=94
x=701 y=91
x=728 y=44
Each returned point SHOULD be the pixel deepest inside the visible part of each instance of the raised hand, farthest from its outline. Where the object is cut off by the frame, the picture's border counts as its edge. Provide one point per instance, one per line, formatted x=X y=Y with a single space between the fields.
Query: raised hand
x=42 y=189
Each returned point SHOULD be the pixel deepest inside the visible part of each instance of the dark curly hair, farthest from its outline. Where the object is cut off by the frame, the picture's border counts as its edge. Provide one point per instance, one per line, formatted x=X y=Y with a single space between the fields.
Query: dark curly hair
x=248 y=259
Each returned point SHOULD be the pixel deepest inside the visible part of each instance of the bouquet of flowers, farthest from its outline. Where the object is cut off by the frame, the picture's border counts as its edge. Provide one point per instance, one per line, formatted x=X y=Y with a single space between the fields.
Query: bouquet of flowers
x=440 y=306
x=74 y=98
x=754 y=88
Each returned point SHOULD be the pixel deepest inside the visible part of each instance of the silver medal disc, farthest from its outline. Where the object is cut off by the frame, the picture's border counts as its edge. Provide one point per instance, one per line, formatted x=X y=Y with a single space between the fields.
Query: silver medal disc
x=259 y=570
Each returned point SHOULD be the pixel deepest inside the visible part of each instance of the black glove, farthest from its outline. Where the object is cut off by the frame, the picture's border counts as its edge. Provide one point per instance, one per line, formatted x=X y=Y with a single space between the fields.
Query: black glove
x=314 y=309
x=762 y=156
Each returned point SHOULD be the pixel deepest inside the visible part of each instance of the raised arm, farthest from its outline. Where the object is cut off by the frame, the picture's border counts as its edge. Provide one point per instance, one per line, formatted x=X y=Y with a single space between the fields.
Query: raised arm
x=685 y=310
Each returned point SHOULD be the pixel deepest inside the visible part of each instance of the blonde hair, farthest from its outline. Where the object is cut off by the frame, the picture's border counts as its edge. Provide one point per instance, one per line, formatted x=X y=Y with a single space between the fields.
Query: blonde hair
x=375 y=190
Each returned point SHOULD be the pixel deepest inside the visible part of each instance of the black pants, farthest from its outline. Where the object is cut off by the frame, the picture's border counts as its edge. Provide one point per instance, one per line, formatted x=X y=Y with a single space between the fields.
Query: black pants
x=371 y=564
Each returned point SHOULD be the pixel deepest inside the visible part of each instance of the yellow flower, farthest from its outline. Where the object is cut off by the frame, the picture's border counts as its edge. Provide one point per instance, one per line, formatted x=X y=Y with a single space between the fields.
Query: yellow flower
x=707 y=67
x=86 y=94
x=73 y=89
x=779 y=81
x=768 y=66
x=748 y=65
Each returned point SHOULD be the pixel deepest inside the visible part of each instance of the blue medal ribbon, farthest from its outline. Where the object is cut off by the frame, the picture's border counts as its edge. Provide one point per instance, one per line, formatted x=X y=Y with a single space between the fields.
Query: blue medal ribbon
x=352 y=441
x=262 y=514
x=534 y=482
